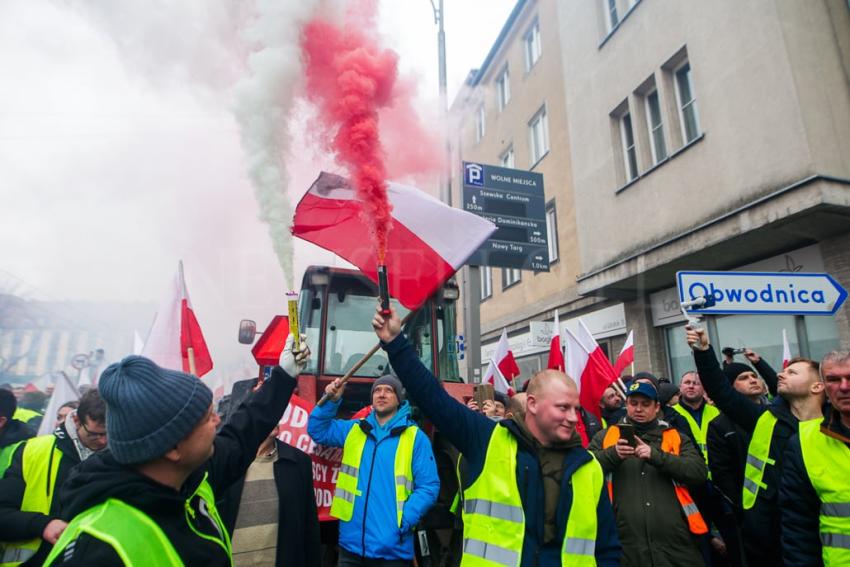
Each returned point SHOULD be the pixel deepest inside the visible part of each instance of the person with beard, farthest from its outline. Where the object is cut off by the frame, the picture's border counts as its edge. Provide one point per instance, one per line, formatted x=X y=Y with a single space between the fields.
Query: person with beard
x=531 y=494
x=815 y=495
x=657 y=519
x=150 y=499
x=769 y=427
x=694 y=410
x=388 y=476
x=611 y=406
x=32 y=487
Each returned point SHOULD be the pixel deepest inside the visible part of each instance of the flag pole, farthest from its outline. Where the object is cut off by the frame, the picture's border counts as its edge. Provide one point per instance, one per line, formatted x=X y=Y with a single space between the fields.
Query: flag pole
x=191 y=353
x=360 y=362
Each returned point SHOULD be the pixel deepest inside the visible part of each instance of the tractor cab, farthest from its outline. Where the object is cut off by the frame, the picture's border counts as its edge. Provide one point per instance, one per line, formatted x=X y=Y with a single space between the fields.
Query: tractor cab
x=335 y=311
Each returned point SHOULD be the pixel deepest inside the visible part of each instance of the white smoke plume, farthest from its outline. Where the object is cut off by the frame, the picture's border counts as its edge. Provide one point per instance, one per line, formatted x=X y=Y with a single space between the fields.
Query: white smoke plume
x=263 y=100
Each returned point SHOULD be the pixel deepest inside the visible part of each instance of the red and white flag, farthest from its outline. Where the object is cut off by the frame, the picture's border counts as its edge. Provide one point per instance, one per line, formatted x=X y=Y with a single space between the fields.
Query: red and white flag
x=786 y=350
x=503 y=367
x=175 y=330
x=627 y=355
x=556 y=353
x=429 y=241
x=597 y=374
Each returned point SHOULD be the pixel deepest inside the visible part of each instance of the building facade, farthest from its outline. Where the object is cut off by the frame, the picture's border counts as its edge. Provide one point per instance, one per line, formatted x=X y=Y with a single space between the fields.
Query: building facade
x=698 y=135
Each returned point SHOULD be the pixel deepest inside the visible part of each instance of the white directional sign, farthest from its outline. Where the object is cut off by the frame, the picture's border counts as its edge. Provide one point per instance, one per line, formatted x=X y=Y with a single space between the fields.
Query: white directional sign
x=763 y=292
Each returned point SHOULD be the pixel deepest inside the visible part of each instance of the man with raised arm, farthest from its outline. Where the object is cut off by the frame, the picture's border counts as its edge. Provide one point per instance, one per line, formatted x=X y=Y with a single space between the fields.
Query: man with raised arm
x=531 y=494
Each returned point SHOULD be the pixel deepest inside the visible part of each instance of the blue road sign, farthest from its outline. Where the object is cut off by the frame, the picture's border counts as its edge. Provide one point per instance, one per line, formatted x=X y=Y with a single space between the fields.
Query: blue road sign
x=777 y=293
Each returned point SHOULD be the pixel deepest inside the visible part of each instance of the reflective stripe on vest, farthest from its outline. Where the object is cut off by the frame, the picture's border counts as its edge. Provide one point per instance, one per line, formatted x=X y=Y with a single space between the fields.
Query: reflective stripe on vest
x=757 y=459
x=39 y=468
x=494 y=521
x=827 y=463
x=134 y=536
x=699 y=431
x=342 y=506
x=671 y=443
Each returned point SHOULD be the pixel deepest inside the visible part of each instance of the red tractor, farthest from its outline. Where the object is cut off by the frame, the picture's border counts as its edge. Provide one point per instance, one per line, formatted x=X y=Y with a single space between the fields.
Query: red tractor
x=335 y=309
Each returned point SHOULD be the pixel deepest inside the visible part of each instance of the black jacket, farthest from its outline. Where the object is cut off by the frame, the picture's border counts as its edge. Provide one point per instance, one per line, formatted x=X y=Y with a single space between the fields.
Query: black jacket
x=16 y=525
x=761 y=526
x=298 y=537
x=800 y=503
x=13 y=432
x=727 y=453
x=102 y=477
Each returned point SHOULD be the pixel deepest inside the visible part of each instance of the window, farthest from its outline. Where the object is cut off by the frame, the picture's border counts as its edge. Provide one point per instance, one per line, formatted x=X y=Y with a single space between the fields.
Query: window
x=627 y=138
x=611 y=18
x=538 y=130
x=485 y=274
x=687 y=103
x=507 y=158
x=503 y=88
x=510 y=276
x=552 y=231
x=532 y=45
x=656 y=127
x=479 y=124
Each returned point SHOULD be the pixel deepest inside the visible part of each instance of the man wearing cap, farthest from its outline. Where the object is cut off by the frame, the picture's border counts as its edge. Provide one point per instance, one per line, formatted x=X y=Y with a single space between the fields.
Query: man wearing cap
x=531 y=494
x=31 y=489
x=388 y=477
x=815 y=494
x=658 y=522
x=150 y=499
x=770 y=427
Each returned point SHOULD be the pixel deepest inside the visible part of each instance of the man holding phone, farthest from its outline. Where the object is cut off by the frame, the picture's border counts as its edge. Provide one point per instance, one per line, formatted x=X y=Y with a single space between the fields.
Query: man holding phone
x=648 y=466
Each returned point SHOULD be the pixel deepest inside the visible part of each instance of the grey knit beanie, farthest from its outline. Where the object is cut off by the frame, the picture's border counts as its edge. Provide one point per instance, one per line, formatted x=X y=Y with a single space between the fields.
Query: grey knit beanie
x=148 y=408
x=392 y=382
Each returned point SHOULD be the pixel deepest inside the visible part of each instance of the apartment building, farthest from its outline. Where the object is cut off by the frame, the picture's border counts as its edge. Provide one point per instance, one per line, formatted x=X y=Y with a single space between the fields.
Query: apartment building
x=678 y=136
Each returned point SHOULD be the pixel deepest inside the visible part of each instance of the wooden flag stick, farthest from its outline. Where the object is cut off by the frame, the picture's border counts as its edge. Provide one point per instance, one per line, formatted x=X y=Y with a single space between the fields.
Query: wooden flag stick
x=191 y=353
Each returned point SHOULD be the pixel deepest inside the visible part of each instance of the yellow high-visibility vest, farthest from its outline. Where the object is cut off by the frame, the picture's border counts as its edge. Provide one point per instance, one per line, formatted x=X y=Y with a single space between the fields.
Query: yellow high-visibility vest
x=134 y=536
x=39 y=468
x=342 y=506
x=827 y=462
x=494 y=521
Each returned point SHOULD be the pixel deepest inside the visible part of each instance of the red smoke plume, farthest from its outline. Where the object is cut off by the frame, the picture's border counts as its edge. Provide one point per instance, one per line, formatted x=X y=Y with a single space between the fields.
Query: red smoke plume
x=349 y=78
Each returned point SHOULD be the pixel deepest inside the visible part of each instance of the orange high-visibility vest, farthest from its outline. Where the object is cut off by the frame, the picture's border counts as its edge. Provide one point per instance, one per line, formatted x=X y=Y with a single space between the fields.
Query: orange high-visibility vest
x=670 y=443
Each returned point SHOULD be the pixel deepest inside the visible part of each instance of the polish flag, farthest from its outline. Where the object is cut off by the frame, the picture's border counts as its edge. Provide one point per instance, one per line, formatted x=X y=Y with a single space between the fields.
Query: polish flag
x=598 y=372
x=556 y=353
x=429 y=241
x=786 y=350
x=502 y=368
x=627 y=355
x=175 y=330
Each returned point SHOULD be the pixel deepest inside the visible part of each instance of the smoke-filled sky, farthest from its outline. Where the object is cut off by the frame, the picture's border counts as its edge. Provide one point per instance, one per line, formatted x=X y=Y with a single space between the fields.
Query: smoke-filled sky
x=135 y=133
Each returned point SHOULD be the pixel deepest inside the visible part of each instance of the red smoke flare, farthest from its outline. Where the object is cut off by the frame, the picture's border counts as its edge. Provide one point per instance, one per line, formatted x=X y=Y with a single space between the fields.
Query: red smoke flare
x=349 y=78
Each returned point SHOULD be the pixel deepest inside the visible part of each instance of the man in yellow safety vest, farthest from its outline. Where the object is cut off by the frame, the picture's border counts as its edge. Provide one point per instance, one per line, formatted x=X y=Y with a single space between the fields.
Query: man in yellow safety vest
x=815 y=496
x=770 y=426
x=31 y=489
x=531 y=495
x=387 y=479
x=151 y=499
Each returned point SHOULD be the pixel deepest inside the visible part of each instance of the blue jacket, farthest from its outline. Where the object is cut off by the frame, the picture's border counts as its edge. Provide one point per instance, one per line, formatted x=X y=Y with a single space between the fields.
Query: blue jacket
x=470 y=432
x=373 y=529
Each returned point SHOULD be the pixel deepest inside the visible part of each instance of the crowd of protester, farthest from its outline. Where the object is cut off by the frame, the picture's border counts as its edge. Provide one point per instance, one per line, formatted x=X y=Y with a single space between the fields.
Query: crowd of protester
x=734 y=464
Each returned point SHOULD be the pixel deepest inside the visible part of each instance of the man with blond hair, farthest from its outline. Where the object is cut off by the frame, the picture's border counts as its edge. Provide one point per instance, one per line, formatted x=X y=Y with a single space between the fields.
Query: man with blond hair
x=531 y=495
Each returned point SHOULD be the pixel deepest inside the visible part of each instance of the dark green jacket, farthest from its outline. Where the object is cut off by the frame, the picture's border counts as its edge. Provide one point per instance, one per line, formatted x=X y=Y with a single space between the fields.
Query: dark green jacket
x=652 y=526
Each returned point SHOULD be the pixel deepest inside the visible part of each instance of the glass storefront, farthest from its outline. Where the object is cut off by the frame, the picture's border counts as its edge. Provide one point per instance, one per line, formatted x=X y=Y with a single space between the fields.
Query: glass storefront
x=761 y=333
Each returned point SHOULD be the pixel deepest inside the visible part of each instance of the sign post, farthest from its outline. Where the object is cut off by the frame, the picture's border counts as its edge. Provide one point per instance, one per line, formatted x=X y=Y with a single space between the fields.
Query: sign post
x=762 y=292
x=513 y=200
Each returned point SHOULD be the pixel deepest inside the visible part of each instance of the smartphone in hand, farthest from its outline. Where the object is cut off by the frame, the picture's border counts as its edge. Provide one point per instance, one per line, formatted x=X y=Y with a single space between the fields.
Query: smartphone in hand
x=627 y=432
